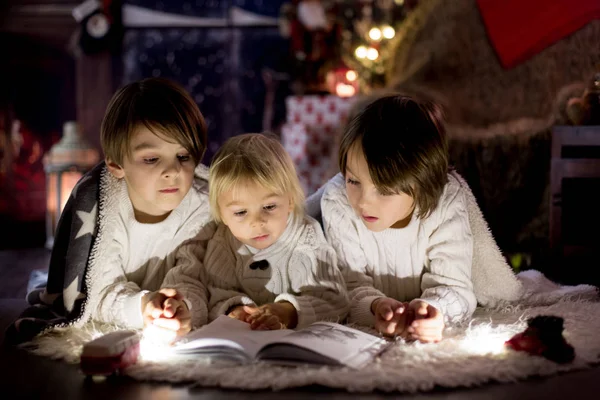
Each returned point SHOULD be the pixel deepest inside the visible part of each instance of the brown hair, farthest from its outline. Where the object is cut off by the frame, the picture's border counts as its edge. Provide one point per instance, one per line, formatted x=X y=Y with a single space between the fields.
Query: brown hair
x=404 y=144
x=254 y=157
x=162 y=106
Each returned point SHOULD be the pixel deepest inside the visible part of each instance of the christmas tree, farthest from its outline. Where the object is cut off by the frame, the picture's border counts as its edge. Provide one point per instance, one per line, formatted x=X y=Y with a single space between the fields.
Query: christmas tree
x=342 y=46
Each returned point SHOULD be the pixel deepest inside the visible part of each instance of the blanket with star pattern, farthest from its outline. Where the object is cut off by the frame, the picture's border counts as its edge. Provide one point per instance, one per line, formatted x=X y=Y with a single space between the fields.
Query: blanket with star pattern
x=81 y=242
x=63 y=298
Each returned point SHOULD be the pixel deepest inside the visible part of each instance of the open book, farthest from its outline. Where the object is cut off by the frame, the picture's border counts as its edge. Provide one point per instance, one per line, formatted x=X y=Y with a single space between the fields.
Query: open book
x=325 y=343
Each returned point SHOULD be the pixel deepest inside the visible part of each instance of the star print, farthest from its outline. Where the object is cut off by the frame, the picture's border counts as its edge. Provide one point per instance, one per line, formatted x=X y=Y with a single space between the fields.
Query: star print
x=88 y=220
x=71 y=294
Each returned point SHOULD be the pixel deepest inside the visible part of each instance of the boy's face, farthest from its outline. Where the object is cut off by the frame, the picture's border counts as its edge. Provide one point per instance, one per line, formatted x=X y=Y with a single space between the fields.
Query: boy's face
x=158 y=175
x=377 y=211
x=254 y=215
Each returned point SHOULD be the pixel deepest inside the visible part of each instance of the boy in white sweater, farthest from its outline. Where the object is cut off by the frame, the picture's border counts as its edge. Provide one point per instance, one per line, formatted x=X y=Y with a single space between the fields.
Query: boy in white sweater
x=153 y=137
x=268 y=263
x=398 y=222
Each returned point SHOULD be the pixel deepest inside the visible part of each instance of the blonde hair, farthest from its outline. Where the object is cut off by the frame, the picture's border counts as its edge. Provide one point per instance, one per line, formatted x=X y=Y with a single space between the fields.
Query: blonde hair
x=162 y=106
x=258 y=158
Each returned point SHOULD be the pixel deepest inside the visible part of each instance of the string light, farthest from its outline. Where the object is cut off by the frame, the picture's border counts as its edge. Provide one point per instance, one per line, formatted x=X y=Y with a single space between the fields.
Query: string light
x=351 y=75
x=372 y=54
x=388 y=32
x=343 y=90
x=375 y=34
x=361 y=52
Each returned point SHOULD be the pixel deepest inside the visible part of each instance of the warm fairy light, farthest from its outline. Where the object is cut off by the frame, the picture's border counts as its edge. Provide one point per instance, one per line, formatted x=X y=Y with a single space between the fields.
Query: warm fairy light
x=399 y=2
x=343 y=90
x=375 y=34
x=388 y=32
x=351 y=75
x=372 y=54
x=361 y=52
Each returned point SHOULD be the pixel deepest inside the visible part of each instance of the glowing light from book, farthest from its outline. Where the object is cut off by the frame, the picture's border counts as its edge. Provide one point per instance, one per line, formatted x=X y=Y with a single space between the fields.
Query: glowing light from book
x=372 y=54
x=64 y=165
x=375 y=34
x=399 y=2
x=156 y=344
x=486 y=340
x=388 y=32
x=351 y=75
x=361 y=52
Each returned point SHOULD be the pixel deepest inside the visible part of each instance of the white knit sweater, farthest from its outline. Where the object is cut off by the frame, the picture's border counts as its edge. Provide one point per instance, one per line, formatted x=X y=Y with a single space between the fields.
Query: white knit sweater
x=430 y=258
x=302 y=269
x=146 y=257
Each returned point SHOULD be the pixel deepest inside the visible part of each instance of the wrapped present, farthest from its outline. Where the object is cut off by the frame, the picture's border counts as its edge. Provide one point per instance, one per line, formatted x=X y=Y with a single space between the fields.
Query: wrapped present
x=309 y=135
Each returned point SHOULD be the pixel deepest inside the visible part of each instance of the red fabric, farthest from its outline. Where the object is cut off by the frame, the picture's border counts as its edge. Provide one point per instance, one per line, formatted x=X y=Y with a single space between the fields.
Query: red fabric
x=518 y=29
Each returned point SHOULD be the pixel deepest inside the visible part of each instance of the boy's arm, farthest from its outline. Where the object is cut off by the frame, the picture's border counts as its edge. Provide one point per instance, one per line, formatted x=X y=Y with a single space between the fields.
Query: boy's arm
x=317 y=287
x=447 y=284
x=343 y=237
x=221 y=278
x=118 y=300
x=187 y=276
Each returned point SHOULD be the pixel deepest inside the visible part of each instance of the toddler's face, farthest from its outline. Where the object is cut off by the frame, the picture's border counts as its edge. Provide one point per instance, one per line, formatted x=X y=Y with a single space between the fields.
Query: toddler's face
x=256 y=216
x=376 y=210
x=158 y=173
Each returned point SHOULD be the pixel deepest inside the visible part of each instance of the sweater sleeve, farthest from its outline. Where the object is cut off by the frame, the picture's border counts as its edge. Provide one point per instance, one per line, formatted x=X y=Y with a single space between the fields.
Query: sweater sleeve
x=118 y=300
x=446 y=284
x=221 y=278
x=342 y=234
x=187 y=274
x=317 y=289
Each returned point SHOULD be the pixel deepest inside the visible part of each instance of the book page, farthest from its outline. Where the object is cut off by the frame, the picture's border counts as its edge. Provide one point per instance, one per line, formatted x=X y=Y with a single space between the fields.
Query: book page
x=340 y=344
x=226 y=332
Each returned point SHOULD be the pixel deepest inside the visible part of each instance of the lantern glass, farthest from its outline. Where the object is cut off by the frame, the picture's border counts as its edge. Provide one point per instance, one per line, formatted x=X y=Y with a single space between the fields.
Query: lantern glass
x=58 y=189
x=65 y=164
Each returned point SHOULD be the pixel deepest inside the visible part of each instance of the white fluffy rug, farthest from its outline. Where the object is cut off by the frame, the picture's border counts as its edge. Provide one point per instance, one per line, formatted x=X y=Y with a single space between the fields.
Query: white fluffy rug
x=469 y=355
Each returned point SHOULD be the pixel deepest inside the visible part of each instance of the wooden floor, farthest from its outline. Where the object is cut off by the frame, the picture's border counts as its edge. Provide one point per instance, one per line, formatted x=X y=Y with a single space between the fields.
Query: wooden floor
x=23 y=375
x=16 y=267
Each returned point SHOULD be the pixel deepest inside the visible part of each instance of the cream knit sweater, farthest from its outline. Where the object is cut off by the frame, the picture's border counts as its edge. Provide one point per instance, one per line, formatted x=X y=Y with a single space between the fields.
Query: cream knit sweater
x=147 y=257
x=430 y=258
x=300 y=268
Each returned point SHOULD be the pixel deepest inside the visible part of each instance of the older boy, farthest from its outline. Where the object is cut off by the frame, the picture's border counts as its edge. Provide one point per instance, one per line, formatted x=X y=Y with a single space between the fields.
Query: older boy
x=154 y=213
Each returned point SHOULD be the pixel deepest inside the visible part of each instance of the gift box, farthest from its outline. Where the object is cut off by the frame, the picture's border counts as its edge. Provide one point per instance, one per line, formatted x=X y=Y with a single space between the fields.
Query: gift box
x=310 y=133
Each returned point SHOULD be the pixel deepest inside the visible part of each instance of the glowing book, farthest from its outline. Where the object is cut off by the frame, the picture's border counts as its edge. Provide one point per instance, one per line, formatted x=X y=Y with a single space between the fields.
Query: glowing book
x=322 y=343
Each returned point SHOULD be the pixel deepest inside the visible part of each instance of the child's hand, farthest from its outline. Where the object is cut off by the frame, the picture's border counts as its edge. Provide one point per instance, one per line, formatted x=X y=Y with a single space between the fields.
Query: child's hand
x=391 y=316
x=152 y=303
x=242 y=312
x=428 y=325
x=274 y=316
x=165 y=308
x=176 y=317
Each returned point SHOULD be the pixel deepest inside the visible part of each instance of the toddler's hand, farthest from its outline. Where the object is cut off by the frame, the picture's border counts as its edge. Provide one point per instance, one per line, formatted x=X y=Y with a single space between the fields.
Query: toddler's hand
x=242 y=312
x=391 y=316
x=274 y=316
x=428 y=325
